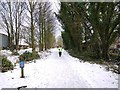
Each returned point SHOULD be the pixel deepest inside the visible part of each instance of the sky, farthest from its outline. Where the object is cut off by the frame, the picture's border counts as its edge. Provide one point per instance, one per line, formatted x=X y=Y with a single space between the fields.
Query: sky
x=56 y=8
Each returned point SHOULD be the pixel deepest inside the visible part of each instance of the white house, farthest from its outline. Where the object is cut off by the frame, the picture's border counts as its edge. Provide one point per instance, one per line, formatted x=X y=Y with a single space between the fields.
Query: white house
x=3 y=39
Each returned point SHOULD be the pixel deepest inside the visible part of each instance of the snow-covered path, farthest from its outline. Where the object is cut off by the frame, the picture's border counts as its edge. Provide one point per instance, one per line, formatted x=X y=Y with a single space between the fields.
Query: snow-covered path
x=60 y=72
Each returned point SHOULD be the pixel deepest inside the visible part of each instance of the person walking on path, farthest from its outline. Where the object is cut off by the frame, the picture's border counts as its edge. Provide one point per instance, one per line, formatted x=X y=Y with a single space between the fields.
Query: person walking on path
x=60 y=51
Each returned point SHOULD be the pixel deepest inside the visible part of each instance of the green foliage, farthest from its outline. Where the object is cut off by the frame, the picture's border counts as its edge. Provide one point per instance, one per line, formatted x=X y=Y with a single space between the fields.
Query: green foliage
x=28 y=56
x=95 y=23
x=50 y=39
x=60 y=41
x=115 y=57
x=15 y=53
x=66 y=40
x=6 y=64
x=36 y=55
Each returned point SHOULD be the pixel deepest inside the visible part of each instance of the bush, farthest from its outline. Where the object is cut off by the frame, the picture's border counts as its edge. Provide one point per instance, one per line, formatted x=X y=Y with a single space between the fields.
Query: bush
x=28 y=56
x=36 y=55
x=15 y=53
x=86 y=56
x=5 y=64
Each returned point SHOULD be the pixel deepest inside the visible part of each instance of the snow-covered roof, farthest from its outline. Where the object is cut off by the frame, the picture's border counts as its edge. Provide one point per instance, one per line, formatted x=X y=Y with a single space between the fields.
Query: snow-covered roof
x=3 y=32
x=22 y=42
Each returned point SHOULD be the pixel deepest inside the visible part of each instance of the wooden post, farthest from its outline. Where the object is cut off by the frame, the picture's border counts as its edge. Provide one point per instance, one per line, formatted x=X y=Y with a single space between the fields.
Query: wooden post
x=22 y=72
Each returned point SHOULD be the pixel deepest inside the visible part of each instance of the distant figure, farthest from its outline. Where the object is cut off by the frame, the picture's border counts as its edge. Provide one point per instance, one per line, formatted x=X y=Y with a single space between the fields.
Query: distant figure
x=60 y=51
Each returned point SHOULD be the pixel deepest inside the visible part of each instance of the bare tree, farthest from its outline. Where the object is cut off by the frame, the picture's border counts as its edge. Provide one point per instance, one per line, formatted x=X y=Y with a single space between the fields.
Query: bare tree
x=31 y=9
x=19 y=9
x=11 y=13
x=45 y=23
x=32 y=20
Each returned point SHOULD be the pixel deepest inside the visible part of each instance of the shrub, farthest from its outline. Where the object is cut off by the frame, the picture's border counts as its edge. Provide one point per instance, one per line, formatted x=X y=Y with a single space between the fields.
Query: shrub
x=28 y=56
x=36 y=55
x=15 y=53
x=5 y=64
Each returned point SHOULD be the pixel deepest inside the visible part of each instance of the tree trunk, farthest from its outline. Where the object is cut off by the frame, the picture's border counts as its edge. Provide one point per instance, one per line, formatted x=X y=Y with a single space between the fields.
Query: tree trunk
x=32 y=33
x=45 y=35
x=39 y=23
x=42 y=35
x=12 y=31
x=40 y=38
x=16 y=33
x=105 y=55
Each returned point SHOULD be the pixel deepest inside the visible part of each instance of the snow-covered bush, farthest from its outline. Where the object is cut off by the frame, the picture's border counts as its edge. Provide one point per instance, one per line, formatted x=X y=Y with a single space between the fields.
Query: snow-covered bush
x=27 y=56
x=25 y=50
x=5 y=64
x=5 y=53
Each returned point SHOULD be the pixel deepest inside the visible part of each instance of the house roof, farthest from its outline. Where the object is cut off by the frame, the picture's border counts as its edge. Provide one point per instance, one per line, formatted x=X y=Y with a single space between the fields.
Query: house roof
x=3 y=32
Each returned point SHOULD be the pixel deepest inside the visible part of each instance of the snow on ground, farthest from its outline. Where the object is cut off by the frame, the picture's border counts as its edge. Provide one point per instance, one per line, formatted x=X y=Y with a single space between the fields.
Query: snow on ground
x=44 y=54
x=60 y=72
x=95 y=74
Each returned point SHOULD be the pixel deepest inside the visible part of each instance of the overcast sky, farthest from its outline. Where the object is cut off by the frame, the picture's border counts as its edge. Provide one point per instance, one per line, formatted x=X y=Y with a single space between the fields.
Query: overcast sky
x=56 y=8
